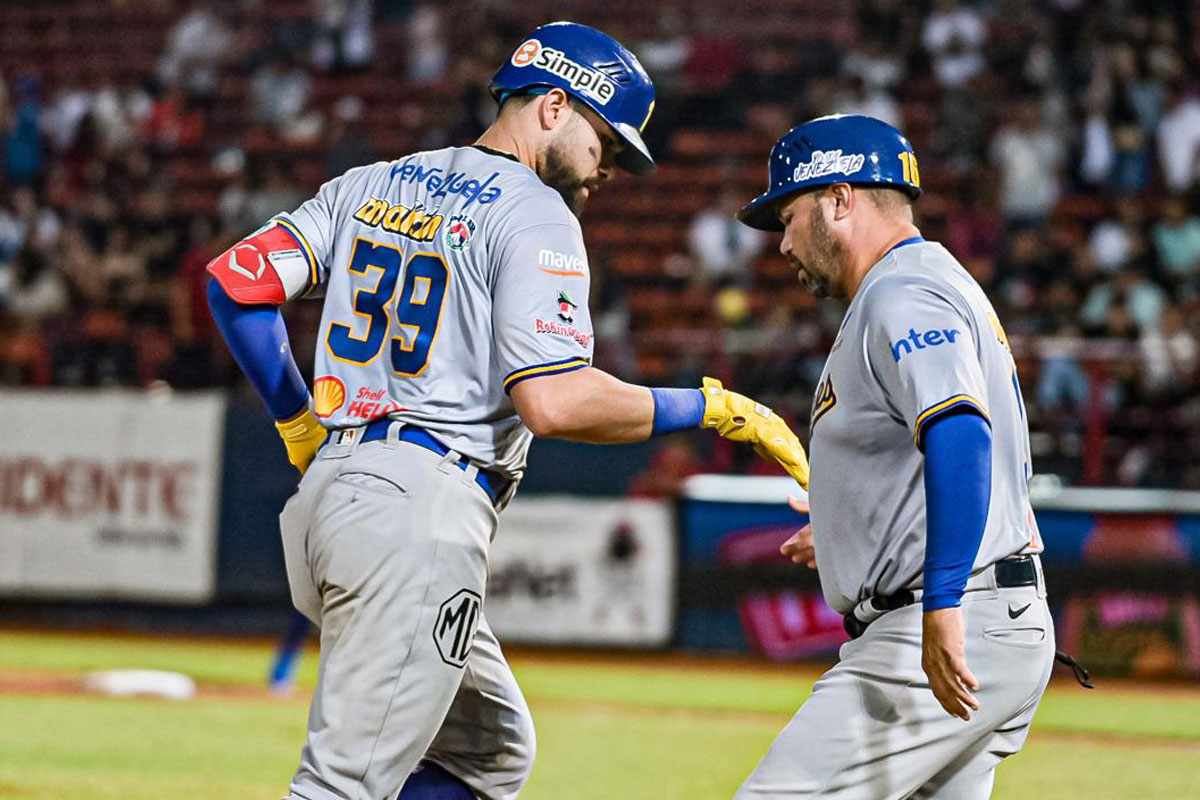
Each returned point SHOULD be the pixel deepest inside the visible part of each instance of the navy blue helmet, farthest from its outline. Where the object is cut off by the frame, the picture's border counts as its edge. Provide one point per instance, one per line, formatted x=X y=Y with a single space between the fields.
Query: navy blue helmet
x=841 y=148
x=596 y=70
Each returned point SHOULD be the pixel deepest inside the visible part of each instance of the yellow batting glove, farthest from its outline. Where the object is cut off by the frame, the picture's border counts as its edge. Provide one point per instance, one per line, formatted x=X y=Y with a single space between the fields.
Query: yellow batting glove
x=302 y=435
x=740 y=419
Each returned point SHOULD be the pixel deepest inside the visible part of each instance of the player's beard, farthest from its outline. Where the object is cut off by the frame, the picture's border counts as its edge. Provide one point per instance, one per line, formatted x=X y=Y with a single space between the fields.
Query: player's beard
x=557 y=173
x=824 y=259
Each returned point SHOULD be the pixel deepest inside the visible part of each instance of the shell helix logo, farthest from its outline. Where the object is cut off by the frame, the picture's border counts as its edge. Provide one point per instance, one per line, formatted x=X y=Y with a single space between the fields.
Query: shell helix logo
x=585 y=80
x=329 y=394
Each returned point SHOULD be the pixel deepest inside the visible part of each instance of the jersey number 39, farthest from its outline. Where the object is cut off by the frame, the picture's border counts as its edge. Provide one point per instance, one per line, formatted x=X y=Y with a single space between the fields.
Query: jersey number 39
x=377 y=268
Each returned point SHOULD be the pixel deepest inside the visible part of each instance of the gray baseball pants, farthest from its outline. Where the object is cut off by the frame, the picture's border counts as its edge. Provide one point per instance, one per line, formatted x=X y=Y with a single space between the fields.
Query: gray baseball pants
x=386 y=547
x=872 y=729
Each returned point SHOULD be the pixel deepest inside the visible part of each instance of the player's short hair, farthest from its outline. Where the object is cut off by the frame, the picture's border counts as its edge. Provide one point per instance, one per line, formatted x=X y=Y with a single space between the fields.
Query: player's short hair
x=888 y=200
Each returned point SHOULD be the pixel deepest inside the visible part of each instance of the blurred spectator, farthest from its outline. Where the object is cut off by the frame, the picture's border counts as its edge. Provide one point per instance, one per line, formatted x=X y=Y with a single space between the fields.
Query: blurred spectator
x=275 y=193
x=191 y=321
x=280 y=92
x=345 y=35
x=723 y=248
x=1116 y=240
x=1177 y=240
x=854 y=97
x=37 y=290
x=1029 y=157
x=22 y=134
x=428 y=55
x=174 y=122
x=119 y=111
x=874 y=64
x=1169 y=355
x=974 y=229
x=65 y=115
x=953 y=37
x=1179 y=139
x=1135 y=300
x=348 y=146
x=198 y=46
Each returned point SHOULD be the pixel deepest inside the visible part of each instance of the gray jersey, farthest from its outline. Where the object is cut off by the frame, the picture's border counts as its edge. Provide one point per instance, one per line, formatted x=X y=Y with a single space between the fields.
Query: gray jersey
x=449 y=276
x=919 y=339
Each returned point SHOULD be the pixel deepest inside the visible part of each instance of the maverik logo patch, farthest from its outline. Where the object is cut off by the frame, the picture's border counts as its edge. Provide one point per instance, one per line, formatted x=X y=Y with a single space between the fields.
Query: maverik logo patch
x=828 y=162
x=585 y=80
x=567 y=265
x=922 y=339
x=412 y=223
x=454 y=631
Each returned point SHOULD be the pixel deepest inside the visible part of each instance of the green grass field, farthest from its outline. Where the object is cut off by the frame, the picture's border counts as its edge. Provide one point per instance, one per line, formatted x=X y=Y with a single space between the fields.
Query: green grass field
x=609 y=728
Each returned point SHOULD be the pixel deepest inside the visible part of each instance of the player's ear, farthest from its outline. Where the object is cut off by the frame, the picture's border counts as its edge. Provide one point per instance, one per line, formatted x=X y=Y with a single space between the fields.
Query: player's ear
x=554 y=108
x=843 y=200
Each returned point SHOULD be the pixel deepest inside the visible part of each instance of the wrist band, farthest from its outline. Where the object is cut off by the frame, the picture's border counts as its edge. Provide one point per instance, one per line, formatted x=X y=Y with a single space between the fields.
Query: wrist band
x=676 y=410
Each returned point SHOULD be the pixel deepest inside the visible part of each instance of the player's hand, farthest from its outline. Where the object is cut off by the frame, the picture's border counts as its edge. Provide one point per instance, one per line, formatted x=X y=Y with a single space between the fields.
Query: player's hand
x=302 y=435
x=944 y=663
x=799 y=548
x=740 y=419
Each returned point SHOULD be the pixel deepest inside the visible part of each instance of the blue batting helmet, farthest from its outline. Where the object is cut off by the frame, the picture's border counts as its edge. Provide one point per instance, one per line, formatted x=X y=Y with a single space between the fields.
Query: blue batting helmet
x=841 y=148
x=593 y=68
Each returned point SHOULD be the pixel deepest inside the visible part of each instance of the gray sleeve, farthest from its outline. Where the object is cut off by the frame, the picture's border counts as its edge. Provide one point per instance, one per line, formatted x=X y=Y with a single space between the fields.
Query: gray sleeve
x=312 y=226
x=540 y=316
x=920 y=348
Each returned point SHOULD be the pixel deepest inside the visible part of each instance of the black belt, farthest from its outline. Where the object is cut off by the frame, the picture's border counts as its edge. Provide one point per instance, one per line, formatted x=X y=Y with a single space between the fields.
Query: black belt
x=493 y=483
x=1011 y=572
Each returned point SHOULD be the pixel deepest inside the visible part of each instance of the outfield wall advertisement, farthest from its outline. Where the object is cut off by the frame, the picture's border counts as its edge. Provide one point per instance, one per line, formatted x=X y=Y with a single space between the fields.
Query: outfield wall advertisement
x=109 y=495
x=573 y=570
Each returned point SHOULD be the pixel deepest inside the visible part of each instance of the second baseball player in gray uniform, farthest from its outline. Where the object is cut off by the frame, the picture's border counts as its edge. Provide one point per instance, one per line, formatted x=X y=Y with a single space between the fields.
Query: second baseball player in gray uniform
x=920 y=524
x=455 y=327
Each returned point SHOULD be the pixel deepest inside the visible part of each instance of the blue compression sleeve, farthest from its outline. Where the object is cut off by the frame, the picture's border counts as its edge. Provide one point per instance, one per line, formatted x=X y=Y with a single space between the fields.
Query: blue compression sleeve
x=258 y=340
x=676 y=410
x=958 y=487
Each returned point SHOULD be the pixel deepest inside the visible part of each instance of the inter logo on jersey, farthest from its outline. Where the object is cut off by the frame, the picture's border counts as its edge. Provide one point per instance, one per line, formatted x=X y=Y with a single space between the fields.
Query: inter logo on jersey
x=920 y=340
x=459 y=231
x=824 y=399
x=412 y=223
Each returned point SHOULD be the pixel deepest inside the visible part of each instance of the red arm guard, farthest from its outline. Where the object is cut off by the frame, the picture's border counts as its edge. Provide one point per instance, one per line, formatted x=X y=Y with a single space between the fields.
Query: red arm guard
x=248 y=270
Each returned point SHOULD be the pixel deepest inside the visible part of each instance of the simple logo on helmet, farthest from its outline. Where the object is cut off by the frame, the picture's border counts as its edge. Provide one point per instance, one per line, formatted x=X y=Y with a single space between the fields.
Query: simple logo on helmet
x=584 y=80
x=459 y=232
x=565 y=307
x=828 y=162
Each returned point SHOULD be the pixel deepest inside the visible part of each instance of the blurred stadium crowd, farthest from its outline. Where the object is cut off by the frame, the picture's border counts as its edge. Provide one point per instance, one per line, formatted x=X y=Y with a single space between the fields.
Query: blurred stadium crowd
x=1059 y=145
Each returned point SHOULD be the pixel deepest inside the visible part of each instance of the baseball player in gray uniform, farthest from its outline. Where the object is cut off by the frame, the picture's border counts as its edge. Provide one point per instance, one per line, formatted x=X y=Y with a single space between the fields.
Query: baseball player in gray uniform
x=920 y=524
x=455 y=327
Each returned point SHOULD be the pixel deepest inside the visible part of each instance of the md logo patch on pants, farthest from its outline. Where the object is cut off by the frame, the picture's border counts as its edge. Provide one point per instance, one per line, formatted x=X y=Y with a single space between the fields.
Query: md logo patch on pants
x=454 y=631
